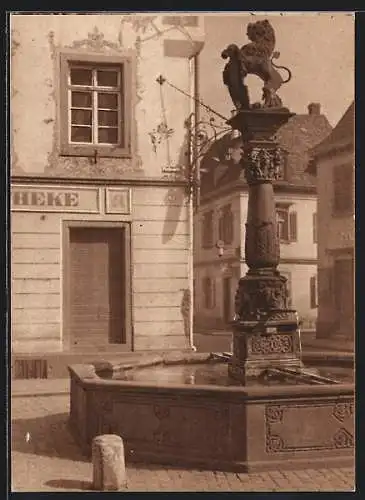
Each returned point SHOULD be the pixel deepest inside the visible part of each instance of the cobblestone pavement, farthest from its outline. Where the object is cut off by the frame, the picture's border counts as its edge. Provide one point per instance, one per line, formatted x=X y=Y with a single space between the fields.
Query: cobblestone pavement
x=45 y=458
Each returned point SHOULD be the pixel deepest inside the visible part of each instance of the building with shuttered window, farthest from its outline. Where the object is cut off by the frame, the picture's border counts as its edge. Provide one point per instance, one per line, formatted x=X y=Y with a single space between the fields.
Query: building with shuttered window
x=100 y=227
x=219 y=231
x=334 y=166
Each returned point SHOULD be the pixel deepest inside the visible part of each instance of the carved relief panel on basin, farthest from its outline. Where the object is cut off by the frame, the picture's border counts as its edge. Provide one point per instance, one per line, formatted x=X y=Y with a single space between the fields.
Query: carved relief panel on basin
x=309 y=427
x=164 y=424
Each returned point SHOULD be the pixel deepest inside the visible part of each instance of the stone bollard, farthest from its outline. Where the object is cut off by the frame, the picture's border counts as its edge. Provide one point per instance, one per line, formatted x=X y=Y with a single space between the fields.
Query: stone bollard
x=108 y=463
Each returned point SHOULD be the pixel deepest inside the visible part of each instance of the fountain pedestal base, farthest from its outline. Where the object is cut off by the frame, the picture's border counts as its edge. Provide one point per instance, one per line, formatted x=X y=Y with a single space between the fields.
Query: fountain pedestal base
x=266 y=333
x=265 y=343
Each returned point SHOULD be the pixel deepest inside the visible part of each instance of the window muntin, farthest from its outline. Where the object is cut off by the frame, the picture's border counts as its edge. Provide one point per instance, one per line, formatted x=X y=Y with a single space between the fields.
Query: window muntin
x=286 y=224
x=282 y=224
x=103 y=124
x=95 y=96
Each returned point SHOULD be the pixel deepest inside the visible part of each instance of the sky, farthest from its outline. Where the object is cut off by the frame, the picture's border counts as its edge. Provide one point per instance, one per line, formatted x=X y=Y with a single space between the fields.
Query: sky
x=319 y=49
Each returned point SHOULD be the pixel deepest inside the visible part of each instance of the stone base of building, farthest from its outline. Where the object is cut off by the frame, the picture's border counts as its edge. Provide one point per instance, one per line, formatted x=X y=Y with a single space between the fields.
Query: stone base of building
x=40 y=365
x=259 y=345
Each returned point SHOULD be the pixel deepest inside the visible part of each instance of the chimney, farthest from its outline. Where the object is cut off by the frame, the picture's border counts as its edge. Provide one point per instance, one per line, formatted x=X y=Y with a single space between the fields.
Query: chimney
x=314 y=108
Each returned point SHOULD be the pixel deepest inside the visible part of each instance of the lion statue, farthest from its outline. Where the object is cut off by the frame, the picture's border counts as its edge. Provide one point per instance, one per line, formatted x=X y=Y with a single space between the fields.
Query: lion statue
x=254 y=58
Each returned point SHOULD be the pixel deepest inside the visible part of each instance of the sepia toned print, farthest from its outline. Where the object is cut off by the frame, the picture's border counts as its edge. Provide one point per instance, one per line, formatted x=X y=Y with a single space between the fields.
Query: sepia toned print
x=182 y=251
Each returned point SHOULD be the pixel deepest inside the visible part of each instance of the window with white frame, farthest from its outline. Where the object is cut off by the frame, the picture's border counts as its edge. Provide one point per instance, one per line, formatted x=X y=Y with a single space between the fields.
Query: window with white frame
x=286 y=224
x=226 y=221
x=95 y=105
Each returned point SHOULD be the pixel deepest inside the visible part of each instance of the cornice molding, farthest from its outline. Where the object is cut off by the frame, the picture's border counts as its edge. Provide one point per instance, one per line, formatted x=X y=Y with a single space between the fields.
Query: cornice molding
x=233 y=187
x=145 y=181
x=216 y=261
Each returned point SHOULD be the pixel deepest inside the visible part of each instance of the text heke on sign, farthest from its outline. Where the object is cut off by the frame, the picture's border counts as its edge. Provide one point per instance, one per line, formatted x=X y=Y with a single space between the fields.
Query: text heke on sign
x=46 y=198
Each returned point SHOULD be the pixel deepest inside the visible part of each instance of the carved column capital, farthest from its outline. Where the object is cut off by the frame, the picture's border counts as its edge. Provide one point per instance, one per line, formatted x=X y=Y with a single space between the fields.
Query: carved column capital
x=262 y=164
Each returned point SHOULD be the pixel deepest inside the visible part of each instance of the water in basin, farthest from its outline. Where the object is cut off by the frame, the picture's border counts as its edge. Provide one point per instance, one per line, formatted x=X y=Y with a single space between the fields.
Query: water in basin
x=217 y=374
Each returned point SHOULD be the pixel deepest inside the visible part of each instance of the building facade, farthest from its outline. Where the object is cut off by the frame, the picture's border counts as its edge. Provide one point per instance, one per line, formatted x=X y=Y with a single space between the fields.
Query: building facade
x=334 y=165
x=219 y=238
x=100 y=216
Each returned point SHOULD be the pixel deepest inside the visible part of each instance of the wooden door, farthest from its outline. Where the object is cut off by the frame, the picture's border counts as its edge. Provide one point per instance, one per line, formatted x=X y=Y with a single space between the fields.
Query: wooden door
x=97 y=287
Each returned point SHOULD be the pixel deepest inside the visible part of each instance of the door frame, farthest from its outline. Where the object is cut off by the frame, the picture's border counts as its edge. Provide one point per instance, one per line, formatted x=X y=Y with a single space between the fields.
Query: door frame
x=65 y=277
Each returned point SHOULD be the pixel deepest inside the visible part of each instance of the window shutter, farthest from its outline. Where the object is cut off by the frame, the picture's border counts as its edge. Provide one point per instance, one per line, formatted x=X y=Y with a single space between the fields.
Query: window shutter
x=293 y=236
x=203 y=234
x=230 y=227
x=212 y=293
x=206 y=292
x=220 y=228
x=314 y=228
x=313 y=292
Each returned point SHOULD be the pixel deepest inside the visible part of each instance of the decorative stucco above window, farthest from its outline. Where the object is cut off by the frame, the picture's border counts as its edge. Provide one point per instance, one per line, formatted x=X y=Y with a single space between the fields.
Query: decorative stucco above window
x=95 y=105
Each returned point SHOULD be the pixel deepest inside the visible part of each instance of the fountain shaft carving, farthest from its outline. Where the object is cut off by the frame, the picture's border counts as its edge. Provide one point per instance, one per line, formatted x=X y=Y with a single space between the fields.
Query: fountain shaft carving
x=262 y=317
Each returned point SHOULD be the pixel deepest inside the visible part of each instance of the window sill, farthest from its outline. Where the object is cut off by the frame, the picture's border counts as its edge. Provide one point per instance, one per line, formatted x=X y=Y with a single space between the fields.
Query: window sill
x=101 y=151
x=287 y=242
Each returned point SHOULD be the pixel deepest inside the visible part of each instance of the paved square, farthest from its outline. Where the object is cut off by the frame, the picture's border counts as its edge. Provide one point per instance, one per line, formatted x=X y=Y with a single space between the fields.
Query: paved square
x=45 y=458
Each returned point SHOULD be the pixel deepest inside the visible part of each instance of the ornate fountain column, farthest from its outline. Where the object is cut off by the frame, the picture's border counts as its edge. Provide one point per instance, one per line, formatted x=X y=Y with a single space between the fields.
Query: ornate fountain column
x=265 y=331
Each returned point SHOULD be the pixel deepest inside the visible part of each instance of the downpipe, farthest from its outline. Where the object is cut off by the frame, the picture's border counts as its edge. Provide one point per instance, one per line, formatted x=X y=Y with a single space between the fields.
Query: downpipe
x=194 y=68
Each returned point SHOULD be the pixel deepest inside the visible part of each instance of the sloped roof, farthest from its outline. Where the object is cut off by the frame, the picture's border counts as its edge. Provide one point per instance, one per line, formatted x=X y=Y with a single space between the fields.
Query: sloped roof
x=296 y=138
x=341 y=135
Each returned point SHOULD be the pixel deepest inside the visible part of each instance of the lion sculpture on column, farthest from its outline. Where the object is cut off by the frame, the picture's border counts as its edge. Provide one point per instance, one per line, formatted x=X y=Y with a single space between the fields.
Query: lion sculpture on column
x=254 y=58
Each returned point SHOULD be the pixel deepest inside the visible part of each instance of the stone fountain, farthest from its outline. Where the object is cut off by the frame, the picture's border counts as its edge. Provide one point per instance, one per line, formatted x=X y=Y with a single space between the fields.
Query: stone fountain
x=265 y=409
x=266 y=332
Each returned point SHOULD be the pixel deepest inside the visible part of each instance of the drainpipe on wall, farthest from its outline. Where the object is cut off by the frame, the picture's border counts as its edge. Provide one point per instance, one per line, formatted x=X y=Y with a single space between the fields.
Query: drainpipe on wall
x=194 y=68
x=197 y=120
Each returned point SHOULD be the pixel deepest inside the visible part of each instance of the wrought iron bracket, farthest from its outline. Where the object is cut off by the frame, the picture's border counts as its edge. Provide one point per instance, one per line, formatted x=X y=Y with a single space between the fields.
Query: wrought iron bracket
x=201 y=135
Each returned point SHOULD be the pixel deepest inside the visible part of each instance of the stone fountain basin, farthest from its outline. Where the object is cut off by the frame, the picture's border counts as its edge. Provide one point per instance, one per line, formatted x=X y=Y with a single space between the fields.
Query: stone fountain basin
x=236 y=428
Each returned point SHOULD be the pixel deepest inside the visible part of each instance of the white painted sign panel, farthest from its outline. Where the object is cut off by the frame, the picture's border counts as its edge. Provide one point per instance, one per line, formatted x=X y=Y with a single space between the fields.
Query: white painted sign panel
x=55 y=199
